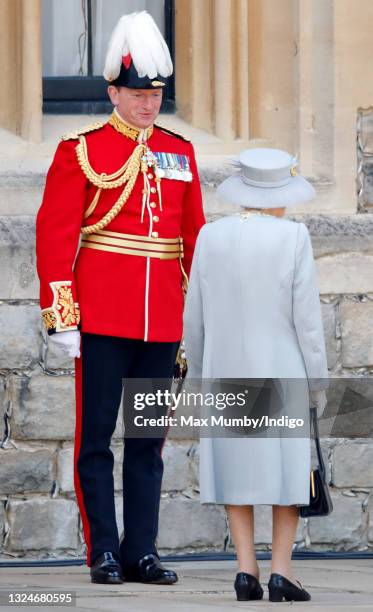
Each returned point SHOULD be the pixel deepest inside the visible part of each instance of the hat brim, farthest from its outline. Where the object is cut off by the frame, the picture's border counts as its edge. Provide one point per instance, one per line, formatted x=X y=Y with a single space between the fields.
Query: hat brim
x=235 y=191
x=128 y=77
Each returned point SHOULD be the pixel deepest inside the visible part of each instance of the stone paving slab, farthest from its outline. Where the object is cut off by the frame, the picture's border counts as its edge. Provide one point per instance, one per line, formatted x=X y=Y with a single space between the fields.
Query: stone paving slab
x=203 y=585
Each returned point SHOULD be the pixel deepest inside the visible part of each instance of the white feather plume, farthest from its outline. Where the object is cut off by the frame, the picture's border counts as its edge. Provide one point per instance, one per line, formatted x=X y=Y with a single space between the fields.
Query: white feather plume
x=139 y=35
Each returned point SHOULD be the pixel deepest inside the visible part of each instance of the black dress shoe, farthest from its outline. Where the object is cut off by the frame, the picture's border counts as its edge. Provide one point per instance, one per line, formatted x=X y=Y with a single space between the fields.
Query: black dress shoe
x=281 y=588
x=106 y=569
x=247 y=587
x=150 y=570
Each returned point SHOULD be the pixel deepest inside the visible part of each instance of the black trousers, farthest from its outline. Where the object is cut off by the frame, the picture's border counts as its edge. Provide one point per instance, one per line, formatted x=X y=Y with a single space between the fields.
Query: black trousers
x=104 y=362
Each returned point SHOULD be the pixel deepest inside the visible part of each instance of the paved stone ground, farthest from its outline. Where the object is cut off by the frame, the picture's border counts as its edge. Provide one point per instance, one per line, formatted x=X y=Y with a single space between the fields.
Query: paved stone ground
x=335 y=585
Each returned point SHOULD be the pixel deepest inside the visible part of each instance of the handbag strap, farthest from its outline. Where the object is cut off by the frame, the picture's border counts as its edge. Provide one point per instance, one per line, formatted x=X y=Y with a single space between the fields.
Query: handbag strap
x=320 y=458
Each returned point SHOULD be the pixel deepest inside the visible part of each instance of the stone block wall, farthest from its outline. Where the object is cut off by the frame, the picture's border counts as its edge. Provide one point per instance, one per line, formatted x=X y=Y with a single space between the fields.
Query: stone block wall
x=38 y=511
x=364 y=159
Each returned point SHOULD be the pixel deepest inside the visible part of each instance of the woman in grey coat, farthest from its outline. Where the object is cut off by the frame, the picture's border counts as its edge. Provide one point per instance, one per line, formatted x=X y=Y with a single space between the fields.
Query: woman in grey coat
x=253 y=311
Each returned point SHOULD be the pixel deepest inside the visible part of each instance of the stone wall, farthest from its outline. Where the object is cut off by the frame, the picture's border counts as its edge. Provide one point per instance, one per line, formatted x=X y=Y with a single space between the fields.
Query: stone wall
x=38 y=512
x=365 y=159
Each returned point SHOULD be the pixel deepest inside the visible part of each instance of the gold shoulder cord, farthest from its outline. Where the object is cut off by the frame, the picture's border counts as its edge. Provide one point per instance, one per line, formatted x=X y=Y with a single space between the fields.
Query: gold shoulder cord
x=102 y=181
x=128 y=173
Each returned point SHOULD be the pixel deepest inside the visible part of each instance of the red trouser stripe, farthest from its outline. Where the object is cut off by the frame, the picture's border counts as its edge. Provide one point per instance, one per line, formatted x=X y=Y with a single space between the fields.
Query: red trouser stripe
x=78 y=437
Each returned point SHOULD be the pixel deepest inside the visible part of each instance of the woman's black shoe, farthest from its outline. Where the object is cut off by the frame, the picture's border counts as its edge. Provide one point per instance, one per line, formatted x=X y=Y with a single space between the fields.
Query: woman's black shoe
x=281 y=588
x=247 y=587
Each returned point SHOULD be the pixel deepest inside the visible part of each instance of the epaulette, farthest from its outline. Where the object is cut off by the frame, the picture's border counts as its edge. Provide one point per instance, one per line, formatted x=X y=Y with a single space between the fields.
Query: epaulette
x=84 y=130
x=172 y=132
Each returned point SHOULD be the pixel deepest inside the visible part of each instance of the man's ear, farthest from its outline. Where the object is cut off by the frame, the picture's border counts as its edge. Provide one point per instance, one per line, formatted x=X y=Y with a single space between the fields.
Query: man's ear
x=113 y=93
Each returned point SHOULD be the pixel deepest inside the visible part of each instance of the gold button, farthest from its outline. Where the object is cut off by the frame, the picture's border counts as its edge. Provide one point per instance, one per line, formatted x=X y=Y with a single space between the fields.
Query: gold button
x=153 y=189
x=155 y=234
x=156 y=219
x=153 y=204
x=150 y=176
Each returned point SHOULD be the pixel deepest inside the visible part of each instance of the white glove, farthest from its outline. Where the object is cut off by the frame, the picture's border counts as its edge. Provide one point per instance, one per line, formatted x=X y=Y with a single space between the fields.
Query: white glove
x=319 y=401
x=69 y=341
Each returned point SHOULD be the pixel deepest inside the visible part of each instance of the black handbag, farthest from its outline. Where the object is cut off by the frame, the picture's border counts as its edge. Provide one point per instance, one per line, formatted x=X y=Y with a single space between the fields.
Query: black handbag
x=320 y=500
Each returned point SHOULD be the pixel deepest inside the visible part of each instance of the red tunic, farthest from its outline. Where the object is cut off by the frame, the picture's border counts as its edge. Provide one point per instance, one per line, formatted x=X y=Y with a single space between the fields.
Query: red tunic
x=118 y=295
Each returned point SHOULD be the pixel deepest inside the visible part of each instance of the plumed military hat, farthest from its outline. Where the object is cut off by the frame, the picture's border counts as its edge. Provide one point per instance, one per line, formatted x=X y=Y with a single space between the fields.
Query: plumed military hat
x=137 y=55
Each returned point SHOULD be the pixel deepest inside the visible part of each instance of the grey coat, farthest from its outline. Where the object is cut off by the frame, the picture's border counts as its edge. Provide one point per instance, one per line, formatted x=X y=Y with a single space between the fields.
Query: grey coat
x=253 y=311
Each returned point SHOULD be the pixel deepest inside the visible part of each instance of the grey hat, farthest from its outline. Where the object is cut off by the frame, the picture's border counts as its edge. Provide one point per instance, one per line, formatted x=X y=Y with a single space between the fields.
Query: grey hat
x=266 y=178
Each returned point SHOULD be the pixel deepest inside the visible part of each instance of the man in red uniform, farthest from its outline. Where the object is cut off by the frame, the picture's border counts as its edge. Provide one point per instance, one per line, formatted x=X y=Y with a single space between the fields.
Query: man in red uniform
x=130 y=190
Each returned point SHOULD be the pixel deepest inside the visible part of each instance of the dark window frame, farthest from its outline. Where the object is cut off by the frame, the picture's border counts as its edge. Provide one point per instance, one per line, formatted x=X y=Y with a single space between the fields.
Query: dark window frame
x=88 y=94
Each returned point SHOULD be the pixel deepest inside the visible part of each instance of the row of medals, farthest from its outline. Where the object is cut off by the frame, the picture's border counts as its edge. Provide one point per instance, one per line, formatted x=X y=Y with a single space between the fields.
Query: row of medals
x=168 y=165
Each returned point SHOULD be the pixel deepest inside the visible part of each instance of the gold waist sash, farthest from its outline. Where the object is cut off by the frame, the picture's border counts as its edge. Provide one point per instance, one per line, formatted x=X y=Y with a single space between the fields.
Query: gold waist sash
x=131 y=244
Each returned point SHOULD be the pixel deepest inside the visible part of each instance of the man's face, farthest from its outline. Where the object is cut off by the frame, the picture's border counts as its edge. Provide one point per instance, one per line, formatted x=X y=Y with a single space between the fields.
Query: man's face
x=137 y=106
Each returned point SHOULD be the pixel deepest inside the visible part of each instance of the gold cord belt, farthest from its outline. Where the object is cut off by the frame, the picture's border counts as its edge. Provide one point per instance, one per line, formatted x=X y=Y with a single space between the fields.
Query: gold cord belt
x=131 y=244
